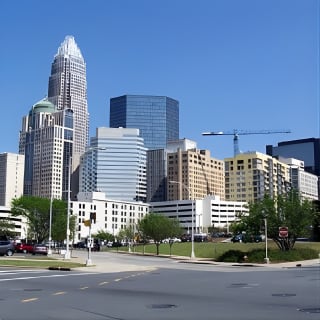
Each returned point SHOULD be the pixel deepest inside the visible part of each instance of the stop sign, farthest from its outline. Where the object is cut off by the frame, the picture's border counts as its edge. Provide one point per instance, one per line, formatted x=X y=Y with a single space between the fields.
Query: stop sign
x=283 y=232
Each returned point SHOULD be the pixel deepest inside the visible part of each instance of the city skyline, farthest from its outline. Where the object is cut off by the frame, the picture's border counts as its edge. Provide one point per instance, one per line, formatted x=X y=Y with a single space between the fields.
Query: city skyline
x=230 y=64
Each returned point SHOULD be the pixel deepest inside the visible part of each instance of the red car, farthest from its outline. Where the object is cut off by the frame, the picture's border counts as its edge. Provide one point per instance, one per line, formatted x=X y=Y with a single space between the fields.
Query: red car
x=24 y=247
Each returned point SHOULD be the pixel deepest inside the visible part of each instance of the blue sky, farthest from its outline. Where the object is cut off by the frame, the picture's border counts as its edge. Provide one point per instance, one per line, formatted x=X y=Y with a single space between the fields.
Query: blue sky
x=232 y=64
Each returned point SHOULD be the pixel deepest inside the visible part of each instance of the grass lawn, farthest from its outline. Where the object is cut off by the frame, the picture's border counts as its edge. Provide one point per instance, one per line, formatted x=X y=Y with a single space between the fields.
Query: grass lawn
x=213 y=250
x=38 y=262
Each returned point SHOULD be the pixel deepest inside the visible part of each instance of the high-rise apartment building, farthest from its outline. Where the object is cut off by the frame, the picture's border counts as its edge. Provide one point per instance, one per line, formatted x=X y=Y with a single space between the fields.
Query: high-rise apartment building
x=11 y=177
x=67 y=89
x=194 y=174
x=252 y=175
x=46 y=141
x=157 y=117
x=115 y=163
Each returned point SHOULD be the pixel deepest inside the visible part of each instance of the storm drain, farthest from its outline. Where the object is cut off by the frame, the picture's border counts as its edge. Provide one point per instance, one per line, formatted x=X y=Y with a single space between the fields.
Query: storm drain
x=283 y=294
x=162 y=306
x=310 y=310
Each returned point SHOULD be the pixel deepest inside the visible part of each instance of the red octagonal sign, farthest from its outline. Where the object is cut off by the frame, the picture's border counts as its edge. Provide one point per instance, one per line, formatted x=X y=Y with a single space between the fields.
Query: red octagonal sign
x=283 y=232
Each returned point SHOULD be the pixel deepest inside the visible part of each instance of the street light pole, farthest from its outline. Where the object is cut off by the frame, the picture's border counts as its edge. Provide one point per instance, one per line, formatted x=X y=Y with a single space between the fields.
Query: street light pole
x=50 y=225
x=89 y=260
x=67 y=254
x=266 y=259
x=192 y=215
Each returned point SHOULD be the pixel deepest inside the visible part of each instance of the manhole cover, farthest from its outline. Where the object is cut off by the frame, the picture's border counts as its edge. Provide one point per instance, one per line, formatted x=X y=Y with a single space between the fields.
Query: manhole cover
x=283 y=294
x=310 y=310
x=162 y=306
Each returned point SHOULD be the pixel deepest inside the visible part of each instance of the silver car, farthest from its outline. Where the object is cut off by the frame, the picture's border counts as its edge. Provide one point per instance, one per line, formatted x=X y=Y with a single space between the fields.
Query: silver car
x=6 y=248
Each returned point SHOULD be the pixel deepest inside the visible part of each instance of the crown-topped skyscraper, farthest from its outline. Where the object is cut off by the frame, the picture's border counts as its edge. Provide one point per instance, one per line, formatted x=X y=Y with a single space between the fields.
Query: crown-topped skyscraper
x=68 y=90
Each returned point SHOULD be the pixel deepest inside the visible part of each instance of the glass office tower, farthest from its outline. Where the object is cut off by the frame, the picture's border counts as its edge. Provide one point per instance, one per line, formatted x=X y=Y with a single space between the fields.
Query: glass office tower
x=115 y=163
x=157 y=117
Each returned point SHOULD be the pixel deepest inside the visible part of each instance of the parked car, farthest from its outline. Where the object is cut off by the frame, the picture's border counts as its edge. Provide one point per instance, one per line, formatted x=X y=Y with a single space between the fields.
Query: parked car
x=40 y=248
x=6 y=248
x=24 y=247
x=171 y=240
x=243 y=237
x=237 y=238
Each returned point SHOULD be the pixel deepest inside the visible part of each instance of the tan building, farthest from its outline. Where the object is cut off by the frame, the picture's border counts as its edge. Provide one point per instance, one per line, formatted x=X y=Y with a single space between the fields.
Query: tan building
x=194 y=174
x=250 y=176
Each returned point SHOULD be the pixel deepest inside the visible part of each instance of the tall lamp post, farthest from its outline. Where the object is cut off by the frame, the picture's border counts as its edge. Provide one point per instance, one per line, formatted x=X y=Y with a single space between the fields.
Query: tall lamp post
x=50 y=226
x=266 y=259
x=67 y=254
x=192 y=215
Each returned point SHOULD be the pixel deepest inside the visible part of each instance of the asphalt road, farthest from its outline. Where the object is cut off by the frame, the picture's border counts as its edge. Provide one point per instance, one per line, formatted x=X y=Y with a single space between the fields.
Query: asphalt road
x=160 y=289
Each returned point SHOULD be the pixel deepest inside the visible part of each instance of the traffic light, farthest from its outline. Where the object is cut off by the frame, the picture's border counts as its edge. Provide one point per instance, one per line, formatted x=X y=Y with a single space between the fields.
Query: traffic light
x=93 y=217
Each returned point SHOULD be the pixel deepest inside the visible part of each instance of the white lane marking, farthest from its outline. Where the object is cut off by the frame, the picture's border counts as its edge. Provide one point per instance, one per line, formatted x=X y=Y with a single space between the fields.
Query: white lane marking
x=49 y=276
x=21 y=270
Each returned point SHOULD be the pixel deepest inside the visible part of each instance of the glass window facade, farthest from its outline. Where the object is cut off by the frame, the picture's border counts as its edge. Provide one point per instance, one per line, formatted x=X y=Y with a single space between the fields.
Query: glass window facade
x=157 y=117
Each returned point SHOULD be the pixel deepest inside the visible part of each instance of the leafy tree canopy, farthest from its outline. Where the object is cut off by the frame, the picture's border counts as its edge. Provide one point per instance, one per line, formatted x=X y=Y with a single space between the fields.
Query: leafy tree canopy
x=290 y=211
x=158 y=227
x=37 y=212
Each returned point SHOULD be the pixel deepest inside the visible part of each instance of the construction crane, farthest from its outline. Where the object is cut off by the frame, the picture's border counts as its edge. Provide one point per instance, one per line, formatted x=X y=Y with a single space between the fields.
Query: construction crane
x=235 y=133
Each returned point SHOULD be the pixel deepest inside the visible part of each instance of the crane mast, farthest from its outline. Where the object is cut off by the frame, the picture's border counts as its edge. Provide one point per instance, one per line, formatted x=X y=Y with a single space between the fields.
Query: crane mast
x=235 y=133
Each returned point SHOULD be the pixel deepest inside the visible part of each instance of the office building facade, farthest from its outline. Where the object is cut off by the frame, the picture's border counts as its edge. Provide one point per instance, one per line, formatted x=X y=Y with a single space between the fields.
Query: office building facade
x=252 y=175
x=11 y=177
x=67 y=89
x=304 y=182
x=307 y=150
x=112 y=216
x=46 y=141
x=157 y=117
x=157 y=175
x=209 y=212
x=194 y=174
x=115 y=163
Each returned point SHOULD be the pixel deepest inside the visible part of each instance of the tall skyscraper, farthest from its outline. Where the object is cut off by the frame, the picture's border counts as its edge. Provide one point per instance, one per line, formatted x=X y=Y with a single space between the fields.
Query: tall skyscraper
x=46 y=140
x=68 y=90
x=115 y=163
x=157 y=118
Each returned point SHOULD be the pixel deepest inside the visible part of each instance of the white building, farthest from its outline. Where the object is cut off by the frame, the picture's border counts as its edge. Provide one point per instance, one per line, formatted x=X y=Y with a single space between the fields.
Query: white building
x=11 y=177
x=305 y=182
x=111 y=215
x=208 y=212
x=20 y=223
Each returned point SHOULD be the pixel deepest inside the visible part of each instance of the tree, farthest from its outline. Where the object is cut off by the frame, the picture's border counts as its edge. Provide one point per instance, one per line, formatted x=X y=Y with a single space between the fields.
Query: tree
x=158 y=227
x=290 y=211
x=103 y=235
x=37 y=212
x=6 y=228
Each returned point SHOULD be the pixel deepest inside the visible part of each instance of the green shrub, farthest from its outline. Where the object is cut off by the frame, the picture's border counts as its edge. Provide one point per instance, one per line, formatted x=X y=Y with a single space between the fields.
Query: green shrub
x=275 y=255
x=232 y=256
